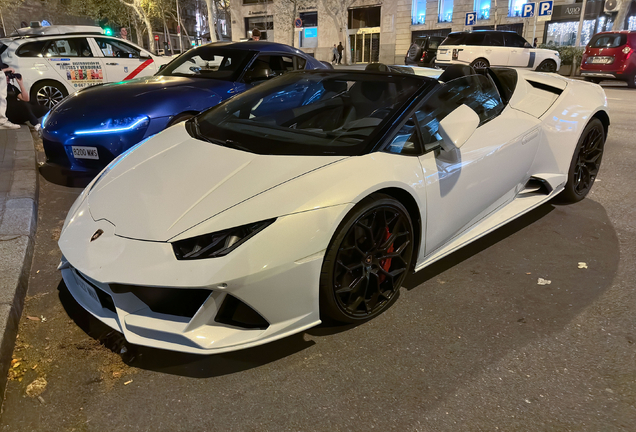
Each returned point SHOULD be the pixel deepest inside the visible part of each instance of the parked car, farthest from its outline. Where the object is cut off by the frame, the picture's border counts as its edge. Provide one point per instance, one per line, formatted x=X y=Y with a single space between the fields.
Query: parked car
x=610 y=55
x=56 y=61
x=485 y=48
x=423 y=51
x=84 y=133
x=257 y=219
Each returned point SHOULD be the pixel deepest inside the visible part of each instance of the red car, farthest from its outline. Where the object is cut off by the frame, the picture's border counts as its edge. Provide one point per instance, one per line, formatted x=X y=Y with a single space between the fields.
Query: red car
x=610 y=55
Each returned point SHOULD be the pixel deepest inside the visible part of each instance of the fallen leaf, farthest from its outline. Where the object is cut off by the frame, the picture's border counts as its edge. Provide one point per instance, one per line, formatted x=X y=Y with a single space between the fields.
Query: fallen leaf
x=16 y=365
x=528 y=273
x=582 y=265
x=542 y=281
x=34 y=366
x=32 y=318
x=128 y=382
x=37 y=387
x=15 y=360
x=116 y=374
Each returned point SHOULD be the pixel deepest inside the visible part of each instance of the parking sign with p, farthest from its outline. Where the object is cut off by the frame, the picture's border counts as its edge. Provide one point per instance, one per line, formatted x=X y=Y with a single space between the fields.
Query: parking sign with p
x=471 y=18
x=527 y=10
x=545 y=10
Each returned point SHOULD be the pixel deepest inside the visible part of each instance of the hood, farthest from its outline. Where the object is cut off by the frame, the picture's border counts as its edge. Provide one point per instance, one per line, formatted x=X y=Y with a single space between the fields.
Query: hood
x=154 y=96
x=172 y=182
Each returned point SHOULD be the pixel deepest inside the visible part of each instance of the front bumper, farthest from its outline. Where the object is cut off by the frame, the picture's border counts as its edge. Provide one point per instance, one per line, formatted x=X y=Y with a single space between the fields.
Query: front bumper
x=134 y=286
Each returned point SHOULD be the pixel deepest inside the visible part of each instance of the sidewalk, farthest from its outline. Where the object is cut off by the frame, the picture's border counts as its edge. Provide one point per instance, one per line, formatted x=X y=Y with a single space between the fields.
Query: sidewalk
x=18 y=219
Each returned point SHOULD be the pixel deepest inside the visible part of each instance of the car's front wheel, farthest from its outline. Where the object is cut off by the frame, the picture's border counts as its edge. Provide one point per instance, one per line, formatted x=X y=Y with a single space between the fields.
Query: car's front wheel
x=586 y=162
x=366 y=261
x=48 y=93
x=631 y=81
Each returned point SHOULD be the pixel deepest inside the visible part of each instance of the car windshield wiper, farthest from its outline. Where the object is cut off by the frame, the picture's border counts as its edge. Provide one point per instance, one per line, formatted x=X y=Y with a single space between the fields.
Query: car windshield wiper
x=233 y=144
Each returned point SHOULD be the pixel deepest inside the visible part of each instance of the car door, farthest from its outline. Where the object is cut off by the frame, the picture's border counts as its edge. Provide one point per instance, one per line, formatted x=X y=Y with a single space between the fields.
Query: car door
x=123 y=61
x=496 y=52
x=490 y=167
x=74 y=62
x=521 y=53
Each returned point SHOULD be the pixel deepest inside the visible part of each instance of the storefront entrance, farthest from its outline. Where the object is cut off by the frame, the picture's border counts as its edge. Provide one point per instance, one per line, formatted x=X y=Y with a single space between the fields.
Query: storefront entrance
x=365 y=46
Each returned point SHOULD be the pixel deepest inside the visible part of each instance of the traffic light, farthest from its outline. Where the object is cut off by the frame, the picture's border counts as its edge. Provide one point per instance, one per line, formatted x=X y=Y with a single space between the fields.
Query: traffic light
x=108 y=31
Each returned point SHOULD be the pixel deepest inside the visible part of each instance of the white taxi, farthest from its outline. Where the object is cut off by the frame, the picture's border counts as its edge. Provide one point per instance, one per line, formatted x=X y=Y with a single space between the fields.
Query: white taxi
x=56 y=61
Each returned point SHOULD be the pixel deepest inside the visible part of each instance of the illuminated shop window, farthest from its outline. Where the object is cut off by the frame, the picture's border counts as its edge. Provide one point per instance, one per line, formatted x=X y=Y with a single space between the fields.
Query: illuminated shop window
x=515 y=7
x=418 y=13
x=564 y=33
x=631 y=23
x=482 y=7
x=308 y=35
x=445 y=13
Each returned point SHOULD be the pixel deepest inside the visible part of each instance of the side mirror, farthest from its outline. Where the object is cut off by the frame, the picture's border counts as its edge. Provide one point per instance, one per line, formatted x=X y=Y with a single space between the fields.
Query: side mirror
x=457 y=127
x=527 y=45
x=163 y=66
x=144 y=55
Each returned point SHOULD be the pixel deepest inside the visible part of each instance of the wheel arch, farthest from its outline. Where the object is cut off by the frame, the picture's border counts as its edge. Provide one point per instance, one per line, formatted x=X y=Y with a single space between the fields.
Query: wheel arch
x=604 y=118
x=183 y=113
x=409 y=202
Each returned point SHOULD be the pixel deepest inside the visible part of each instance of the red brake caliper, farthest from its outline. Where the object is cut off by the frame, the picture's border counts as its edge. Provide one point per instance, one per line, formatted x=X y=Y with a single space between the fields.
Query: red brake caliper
x=386 y=263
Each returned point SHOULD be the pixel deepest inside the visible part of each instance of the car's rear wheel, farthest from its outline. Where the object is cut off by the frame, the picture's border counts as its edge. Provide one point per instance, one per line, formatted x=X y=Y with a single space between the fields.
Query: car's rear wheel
x=631 y=82
x=367 y=261
x=480 y=63
x=547 y=66
x=48 y=93
x=586 y=162
x=415 y=53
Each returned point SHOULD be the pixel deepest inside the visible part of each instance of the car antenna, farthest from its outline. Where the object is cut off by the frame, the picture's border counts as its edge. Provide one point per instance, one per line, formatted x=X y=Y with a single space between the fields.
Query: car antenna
x=18 y=33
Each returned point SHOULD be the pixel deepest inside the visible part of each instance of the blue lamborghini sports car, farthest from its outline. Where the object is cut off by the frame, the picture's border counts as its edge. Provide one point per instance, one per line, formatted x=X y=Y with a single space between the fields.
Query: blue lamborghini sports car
x=89 y=129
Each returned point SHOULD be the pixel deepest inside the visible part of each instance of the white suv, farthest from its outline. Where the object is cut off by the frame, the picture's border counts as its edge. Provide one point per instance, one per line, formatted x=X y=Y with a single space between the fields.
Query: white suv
x=56 y=61
x=484 y=48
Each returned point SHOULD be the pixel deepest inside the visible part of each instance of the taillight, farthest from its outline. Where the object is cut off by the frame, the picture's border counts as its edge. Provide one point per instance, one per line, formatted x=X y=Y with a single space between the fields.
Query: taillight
x=627 y=49
x=423 y=55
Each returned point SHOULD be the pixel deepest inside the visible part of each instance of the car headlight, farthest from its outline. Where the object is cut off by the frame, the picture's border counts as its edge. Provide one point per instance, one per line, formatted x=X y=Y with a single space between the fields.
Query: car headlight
x=219 y=243
x=117 y=125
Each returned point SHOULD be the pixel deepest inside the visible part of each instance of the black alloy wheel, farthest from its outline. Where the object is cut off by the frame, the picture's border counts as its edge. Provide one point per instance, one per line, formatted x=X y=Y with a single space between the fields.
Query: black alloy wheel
x=367 y=260
x=631 y=81
x=586 y=162
x=547 y=66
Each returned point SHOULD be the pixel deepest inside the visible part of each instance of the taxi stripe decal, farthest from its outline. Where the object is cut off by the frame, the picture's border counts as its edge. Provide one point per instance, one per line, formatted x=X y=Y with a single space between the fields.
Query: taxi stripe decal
x=139 y=69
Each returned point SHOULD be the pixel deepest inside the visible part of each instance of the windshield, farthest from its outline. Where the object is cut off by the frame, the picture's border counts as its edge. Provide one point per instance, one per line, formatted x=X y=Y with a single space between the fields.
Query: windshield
x=209 y=62
x=309 y=113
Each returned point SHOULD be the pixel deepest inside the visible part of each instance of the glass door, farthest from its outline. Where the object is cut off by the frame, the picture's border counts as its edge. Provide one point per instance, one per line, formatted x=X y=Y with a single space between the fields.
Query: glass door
x=365 y=47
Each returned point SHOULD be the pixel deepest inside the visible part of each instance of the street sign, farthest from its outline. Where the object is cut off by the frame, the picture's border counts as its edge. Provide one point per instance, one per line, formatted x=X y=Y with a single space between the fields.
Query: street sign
x=545 y=10
x=156 y=37
x=298 y=23
x=527 y=11
x=471 y=18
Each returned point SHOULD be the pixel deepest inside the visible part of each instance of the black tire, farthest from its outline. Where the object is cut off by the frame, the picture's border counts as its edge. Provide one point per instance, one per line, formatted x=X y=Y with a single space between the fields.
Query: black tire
x=362 y=256
x=414 y=53
x=586 y=162
x=180 y=118
x=48 y=93
x=631 y=83
x=593 y=80
x=547 y=66
x=480 y=63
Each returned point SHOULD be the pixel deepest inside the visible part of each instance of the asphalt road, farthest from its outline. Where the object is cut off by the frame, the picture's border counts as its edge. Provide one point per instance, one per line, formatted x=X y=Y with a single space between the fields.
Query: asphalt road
x=473 y=343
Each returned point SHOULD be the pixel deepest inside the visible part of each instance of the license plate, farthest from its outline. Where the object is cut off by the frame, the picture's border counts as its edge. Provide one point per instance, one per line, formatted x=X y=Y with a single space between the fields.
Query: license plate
x=601 y=60
x=85 y=152
x=89 y=290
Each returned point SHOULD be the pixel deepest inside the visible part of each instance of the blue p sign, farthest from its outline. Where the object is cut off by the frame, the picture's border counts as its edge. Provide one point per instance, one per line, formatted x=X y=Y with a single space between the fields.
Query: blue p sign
x=471 y=17
x=528 y=10
x=545 y=8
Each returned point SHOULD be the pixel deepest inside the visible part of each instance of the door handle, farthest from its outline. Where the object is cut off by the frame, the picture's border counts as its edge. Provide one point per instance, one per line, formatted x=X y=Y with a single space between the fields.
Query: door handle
x=529 y=137
x=112 y=64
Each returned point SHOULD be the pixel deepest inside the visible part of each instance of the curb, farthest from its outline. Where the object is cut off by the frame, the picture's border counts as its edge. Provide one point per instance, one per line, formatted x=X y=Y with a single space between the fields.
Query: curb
x=18 y=222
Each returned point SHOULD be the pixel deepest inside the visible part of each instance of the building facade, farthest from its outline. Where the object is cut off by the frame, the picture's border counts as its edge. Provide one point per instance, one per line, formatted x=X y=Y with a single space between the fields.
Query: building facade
x=383 y=30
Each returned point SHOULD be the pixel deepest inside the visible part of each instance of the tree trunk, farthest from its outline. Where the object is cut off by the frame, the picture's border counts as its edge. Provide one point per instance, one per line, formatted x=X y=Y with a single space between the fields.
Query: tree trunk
x=136 y=6
x=211 y=20
x=619 y=21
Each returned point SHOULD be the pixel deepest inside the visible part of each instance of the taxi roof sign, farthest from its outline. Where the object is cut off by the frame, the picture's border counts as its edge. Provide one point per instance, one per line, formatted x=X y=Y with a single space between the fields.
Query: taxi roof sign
x=56 y=30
